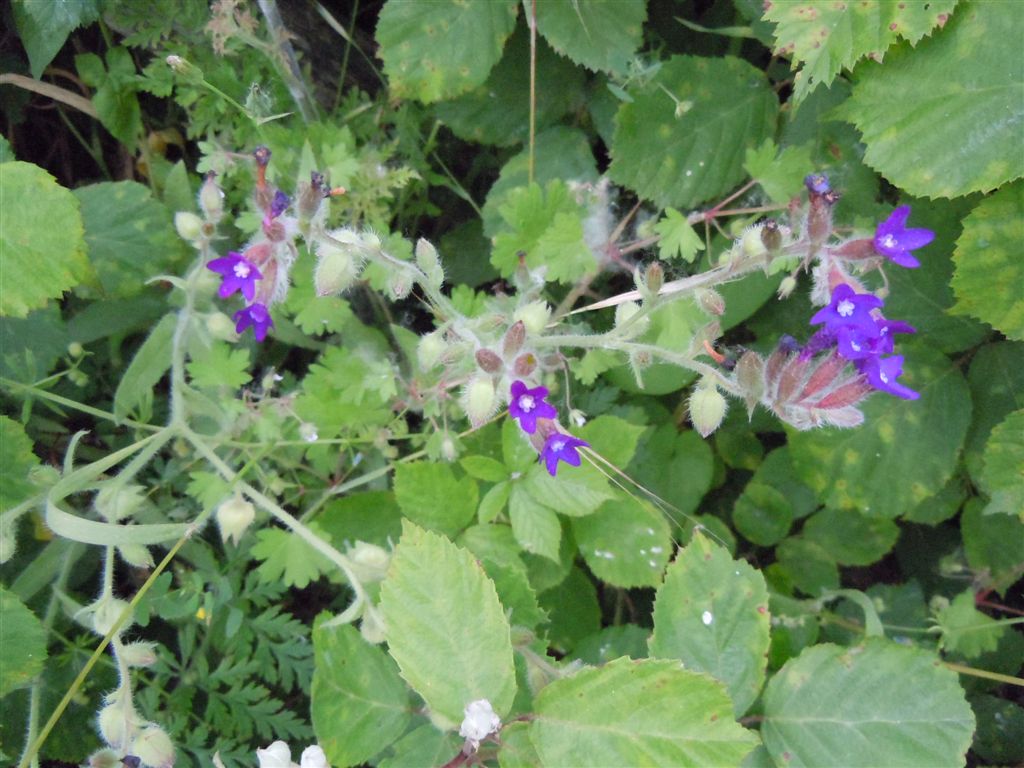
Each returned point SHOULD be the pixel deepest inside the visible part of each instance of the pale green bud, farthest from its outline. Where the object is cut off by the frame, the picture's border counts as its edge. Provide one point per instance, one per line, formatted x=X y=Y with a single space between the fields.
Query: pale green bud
x=370 y=562
x=711 y=301
x=426 y=257
x=399 y=285
x=211 y=199
x=75 y=350
x=138 y=654
x=624 y=313
x=787 y=286
x=336 y=269
x=234 y=516
x=534 y=316
x=430 y=349
x=136 y=555
x=117 y=725
x=153 y=747
x=105 y=758
x=479 y=400
x=189 y=226
x=751 y=243
x=221 y=326
x=116 y=501
x=106 y=612
x=707 y=409
x=372 y=628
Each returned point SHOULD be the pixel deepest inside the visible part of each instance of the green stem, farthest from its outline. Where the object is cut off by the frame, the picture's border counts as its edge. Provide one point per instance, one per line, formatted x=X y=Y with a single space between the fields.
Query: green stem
x=42 y=394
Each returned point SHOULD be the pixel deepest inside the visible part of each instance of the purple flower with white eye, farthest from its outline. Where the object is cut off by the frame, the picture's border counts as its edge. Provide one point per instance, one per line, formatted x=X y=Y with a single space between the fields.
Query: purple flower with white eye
x=851 y=310
x=258 y=316
x=883 y=345
x=882 y=372
x=561 y=447
x=239 y=274
x=528 y=405
x=894 y=241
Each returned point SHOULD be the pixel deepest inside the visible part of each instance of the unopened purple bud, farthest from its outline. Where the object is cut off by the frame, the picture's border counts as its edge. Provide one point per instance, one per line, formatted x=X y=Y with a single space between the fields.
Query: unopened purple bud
x=817 y=183
x=489 y=361
x=524 y=365
x=262 y=155
x=278 y=205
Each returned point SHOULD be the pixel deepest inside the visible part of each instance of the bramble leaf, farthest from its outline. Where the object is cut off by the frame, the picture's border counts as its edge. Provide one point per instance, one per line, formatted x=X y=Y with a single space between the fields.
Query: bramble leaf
x=22 y=643
x=1003 y=476
x=431 y=496
x=599 y=35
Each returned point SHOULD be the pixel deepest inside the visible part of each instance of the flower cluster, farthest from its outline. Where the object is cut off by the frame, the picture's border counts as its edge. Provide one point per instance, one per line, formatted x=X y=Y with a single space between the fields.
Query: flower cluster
x=536 y=416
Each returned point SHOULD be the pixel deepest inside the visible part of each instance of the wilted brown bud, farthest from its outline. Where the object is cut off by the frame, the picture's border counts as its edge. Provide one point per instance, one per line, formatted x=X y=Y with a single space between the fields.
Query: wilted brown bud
x=524 y=365
x=654 y=277
x=711 y=301
x=489 y=361
x=514 y=338
x=771 y=236
x=750 y=377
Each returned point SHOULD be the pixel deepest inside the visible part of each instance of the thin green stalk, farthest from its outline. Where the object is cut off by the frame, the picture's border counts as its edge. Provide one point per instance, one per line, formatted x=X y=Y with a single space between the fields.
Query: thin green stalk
x=42 y=394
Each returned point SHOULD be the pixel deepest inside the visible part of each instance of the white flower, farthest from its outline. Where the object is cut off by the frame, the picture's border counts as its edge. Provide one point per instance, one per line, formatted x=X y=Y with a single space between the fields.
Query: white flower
x=480 y=721
x=277 y=755
x=313 y=757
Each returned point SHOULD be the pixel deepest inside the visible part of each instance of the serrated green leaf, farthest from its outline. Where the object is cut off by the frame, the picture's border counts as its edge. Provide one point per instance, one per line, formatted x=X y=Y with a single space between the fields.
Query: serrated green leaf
x=612 y=642
x=534 y=525
x=965 y=629
x=42 y=240
x=810 y=568
x=902 y=454
x=593 y=363
x=996 y=378
x=988 y=255
x=220 y=365
x=516 y=594
x=360 y=705
x=626 y=543
x=17 y=459
x=576 y=491
x=430 y=495
x=22 y=643
x=925 y=102
x=348 y=387
x=1003 y=475
x=287 y=558
x=600 y=36
x=678 y=238
x=647 y=712
x=149 y=365
x=780 y=173
x=114 y=99
x=43 y=28
x=994 y=545
x=677 y=466
x=850 y=537
x=876 y=704
x=681 y=140
x=445 y=626
x=712 y=614
x=438 y=50
x=827 y=37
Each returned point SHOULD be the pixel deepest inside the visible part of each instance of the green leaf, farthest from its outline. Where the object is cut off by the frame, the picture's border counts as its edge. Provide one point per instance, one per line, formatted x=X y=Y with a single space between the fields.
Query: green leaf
x=151 y=362
x=994 y=544
x=1003 y=475
x=287 y=558
x=576 y=491
x=965 y=629
x=677 y=466
x=601 y=36
x=678 y=238
x=1000 y=723
x=484 y=468
x=996 y=378
x=43 y=28
x=474 y=116
x=826 y=37
x=626 y=543
x=22 y=643
x=360 y=705
x=430 y=495
x=681 y=140
x=810 y=568
x=422 y=746
x=348 y=387
x=373 y=517
x=925 y=102
x=611 y=643
x=435 y=51
x=220 y=365
x=573 y=611
x=117 y=106
x=547 y=225
x=41 y=240
x=130 y=234
x=988 y=255
x=17 y=459
x=712 y=614
x=780 y=173
x=850 y=537
x=903 y=453
x=534 y=525
x=880 y=703
x=445 y=626
x=515 y=593
x=647 y=712
x=615 y=439
x=762 y=514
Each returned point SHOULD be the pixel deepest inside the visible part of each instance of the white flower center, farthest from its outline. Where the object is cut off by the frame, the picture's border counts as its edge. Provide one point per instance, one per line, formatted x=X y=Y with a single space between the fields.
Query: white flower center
x=884 y=378
x=855 y=346
x=845 y=308
x=241 y=270
x=889 y=241
x=527 y=403
x=557 y=446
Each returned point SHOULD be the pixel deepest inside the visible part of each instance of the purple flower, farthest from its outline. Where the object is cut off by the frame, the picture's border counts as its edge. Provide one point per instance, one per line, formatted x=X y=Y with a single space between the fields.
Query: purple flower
x=894 y=241
x=882 y=373
x=561 y=447
x=817 y=183
x=239 y=274
x=883 y=345
x=279 y=203
x=528 y=405
x=851 y=310
x=256 y=315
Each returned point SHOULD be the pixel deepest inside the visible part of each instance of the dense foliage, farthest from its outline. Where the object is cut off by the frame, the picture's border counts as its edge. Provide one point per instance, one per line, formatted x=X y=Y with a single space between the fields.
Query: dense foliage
x=543 y=383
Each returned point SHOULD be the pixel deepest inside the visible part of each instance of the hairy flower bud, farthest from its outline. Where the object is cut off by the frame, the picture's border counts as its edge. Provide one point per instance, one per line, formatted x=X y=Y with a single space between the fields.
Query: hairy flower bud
x=750 y=377
x=430 y=349
x=369 y=562
x=489 y=361
x=514 y=338
x=479 y=400
x=751 y=244
x=711 y=301
x=771 y=235
x=211 y=199
x=117 y=725
x=426 y=258
x=106 y=612
x=787 y=286
x=399 y=285
x=534 y=316
x=524 y=365
x=138 y=654
x=234 y=516
x=189 y=226
x=336 y=270
x=106 y=758
x=654 y=277
x=153 y=747
x=707 y=408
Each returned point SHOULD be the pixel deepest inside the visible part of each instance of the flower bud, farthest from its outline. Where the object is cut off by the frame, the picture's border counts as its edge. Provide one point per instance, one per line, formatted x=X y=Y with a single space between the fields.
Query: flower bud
x=787 y=286
x=313 y=757
x=116 y=501
x=75 y=350
x=534 y=316
x=369 y=562
x=277 y=755
x=211 y=199
x=220 y=326
x=479 y=400
x=138 y=654
x=189 y=226
x=430 y=349
x=707 y=408
x=336 y=270
x=185 y=69
x=153 y=747
x=751 y=244
x=426 y=257
x=311 y=196
x=750 y=377
x=234 y=516
x=711 y=301
x=524 y=365
x=106 y=758
x=654 y=277
x=372 y=628
x=117 y=725
x=771 y=235
x=136 y=555
x=106 y=612
x=489 y=361
x=514 y=338
x=399 y=285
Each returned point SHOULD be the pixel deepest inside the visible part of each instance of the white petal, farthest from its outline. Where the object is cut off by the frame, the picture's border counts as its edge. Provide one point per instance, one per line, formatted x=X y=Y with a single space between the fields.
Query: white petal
x=277 y=755
x=313 y=757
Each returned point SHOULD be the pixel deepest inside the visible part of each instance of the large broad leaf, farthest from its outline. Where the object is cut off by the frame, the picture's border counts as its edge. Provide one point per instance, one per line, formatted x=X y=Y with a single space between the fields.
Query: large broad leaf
x=650 y=712
x=360 y=705
x=43 y=28
x=952 y=100
x=988 y=255
x=876 y=704
x=681 y=140
x=826 y=37
x=850 y=537
x=430 y=495
x=1003 y=476
x=445 y=626
x=597 y=34
x=996 y=378
x=903 y=453
x=438 y=50
x=41 y=241
x=712 y=614
x=22 y=643
x=626 y=542
x=130 y=235
x=17 y=459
